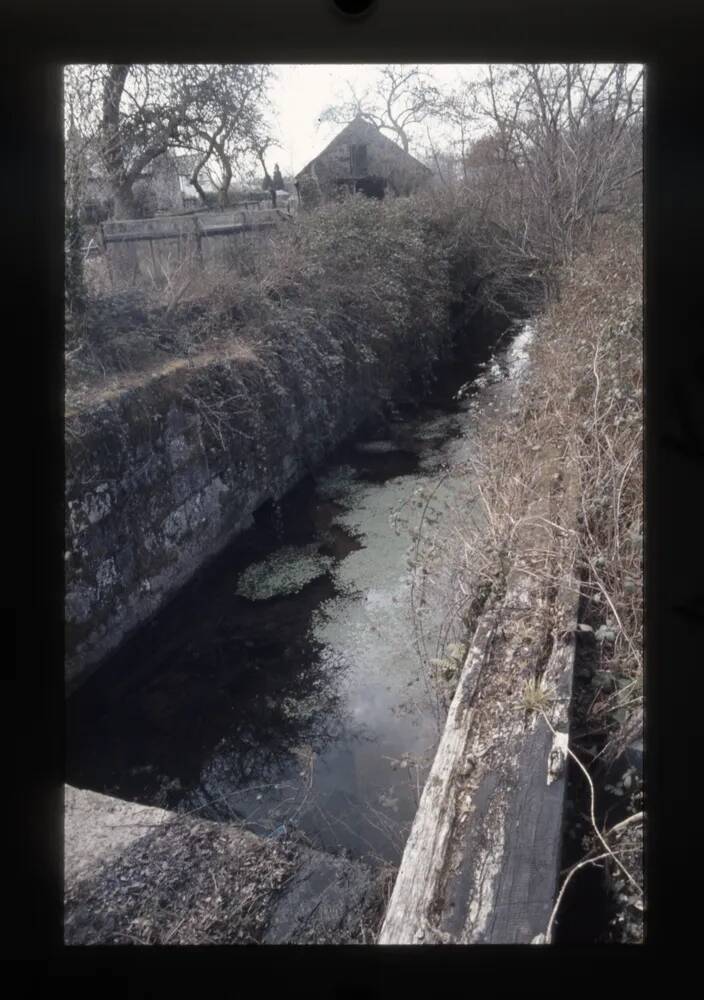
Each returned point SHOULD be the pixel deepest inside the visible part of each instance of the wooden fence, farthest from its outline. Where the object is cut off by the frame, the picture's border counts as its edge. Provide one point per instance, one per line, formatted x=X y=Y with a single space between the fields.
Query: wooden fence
x=154 y=248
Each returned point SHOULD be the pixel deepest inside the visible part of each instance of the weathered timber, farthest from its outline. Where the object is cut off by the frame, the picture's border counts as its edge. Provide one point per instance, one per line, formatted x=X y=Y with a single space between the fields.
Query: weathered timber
x=241 y=227
x=481 y=863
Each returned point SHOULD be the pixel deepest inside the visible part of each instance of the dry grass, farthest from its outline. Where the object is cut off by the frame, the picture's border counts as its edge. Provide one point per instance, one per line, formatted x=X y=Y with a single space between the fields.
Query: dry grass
x=590 y=354
x=299 y=298
x=580 y=402
x=88 y=396
x=536 y=695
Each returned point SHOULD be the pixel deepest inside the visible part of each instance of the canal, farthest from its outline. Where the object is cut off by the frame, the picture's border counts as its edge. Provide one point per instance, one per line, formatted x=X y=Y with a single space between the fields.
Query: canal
x=284 y=686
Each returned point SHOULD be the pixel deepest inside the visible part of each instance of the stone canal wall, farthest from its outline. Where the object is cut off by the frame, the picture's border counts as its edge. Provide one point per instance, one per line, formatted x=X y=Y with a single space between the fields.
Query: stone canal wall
x=162 y=475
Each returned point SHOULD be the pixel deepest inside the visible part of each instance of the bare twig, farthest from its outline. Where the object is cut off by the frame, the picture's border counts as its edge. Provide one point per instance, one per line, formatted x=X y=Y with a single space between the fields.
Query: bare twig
x=592 y=800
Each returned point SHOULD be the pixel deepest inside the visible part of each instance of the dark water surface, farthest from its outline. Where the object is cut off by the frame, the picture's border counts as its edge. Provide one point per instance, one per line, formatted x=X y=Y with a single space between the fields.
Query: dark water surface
x=282 y=686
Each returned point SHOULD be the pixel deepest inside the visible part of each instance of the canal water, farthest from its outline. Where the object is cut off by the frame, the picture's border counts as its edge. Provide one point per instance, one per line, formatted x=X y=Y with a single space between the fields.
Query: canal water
x=283 y=686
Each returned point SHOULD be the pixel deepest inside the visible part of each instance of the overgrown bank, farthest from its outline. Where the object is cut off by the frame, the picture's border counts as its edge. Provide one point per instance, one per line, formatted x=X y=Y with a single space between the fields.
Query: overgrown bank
x=600 y=323
x=581 y=402
x=271 y=363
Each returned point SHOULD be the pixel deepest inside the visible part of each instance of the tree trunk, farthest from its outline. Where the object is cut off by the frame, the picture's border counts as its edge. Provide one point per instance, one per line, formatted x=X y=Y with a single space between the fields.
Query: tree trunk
x=75 y=289
x=224 y=192
x=125 y=202
x=268 y=182
x=402 y=136
x=123 y=256
x=195 y=174
x=74 y=276
x=112 y=143
x=199 y=166
x=197 y=185
x=226 y=165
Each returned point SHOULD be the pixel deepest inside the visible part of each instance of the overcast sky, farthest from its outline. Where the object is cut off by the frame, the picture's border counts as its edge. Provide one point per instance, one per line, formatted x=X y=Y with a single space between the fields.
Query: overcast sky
x=302 y=92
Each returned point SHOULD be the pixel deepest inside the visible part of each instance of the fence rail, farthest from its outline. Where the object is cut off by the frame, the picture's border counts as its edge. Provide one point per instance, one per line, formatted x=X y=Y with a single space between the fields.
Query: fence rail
x=175 y=234
x=163 y=244
x=177 y=226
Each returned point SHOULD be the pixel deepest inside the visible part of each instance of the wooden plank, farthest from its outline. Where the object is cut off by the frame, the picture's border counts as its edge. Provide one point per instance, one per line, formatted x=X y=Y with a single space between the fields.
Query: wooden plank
x=407 y=918
x=242 y=227
x=106 y=255
x=197 y=232
x=178 y=234
x=481 y=862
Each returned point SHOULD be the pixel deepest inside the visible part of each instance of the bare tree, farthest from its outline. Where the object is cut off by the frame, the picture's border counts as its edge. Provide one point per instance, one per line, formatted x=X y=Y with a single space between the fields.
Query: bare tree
x=229 y=122
x=458 y=112
x=144 y=109
x=136 y=113
x=81 y=91
x=269 y=183
x=565 y=143
x=401 y=98
x=124 y=117
x=560 y=145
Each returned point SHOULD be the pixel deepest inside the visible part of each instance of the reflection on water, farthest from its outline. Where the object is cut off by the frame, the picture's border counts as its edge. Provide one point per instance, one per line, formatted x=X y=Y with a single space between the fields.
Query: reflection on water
x=282 y=686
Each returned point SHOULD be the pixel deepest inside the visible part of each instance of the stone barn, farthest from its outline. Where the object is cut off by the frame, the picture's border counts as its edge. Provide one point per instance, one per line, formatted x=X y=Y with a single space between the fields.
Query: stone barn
x=362 y=159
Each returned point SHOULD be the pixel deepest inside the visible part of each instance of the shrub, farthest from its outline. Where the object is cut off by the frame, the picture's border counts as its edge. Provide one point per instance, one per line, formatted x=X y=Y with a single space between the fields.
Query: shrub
x=362 y=283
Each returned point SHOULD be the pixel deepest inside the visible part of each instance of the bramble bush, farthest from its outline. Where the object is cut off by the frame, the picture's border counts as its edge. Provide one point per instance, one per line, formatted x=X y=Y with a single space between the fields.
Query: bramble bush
x=360 y=284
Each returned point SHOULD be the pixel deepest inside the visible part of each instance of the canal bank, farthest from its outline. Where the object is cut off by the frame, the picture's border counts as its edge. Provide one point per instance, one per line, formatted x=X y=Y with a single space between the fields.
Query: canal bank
x=267 y=369
x=161 y=475
x=282 y=688
x=561 y=485
x=481 y=864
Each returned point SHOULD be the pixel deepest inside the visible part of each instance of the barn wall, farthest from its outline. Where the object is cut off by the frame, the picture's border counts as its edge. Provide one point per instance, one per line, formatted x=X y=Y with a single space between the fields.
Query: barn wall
x=385 y=159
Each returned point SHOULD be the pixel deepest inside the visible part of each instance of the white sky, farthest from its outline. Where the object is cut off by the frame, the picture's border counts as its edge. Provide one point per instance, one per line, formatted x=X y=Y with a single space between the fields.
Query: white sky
x=303 y=91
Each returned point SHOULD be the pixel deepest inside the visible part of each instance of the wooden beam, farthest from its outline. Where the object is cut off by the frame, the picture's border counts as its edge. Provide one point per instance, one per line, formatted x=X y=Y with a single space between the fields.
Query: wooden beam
x=241 y=227
x=482 y=860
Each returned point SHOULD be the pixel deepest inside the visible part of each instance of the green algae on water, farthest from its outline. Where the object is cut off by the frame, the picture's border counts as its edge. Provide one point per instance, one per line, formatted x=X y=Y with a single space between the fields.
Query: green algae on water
x=285 y=572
